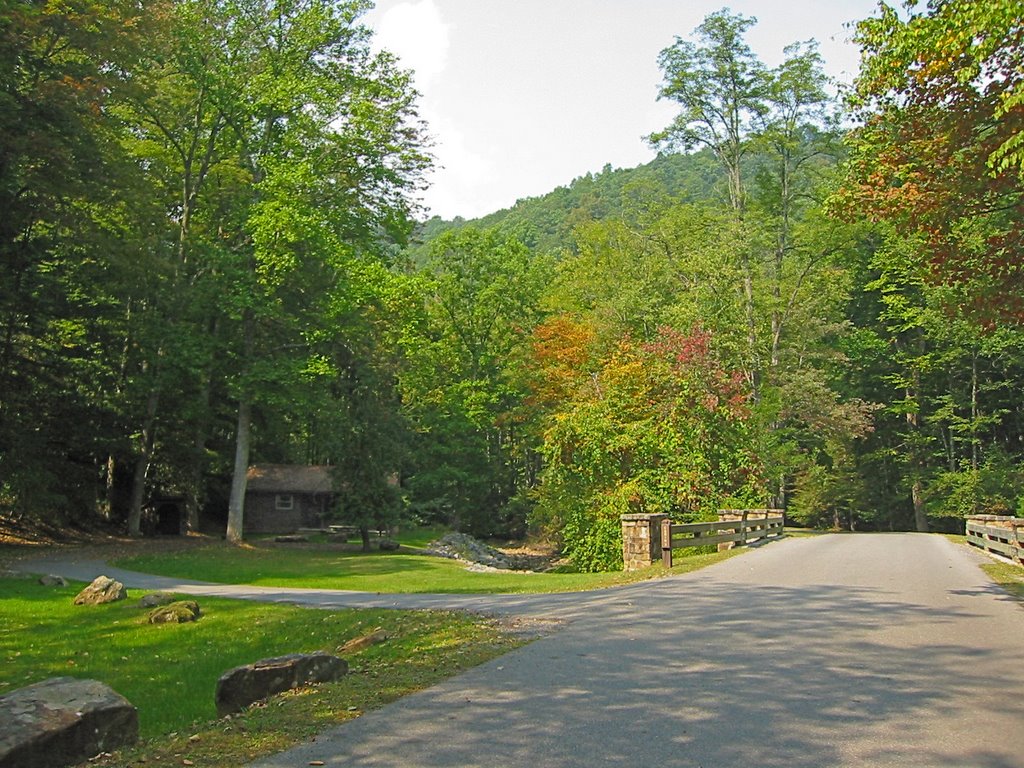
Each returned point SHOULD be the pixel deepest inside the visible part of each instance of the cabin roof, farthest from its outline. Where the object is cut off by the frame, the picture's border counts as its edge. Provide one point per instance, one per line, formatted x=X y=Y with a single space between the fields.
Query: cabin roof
x=289 y=478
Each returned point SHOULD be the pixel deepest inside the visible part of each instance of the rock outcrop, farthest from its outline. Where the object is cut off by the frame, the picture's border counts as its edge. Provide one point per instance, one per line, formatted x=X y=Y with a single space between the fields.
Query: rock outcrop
x=241 y=686
x=63 y=721
x=460 y=546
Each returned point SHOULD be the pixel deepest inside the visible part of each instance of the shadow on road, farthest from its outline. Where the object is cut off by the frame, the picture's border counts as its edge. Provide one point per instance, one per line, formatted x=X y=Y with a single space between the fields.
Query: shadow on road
x=786 y=677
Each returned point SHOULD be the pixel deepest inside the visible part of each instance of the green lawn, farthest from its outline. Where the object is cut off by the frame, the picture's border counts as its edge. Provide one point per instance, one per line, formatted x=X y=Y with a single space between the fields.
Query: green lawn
x=170 y=671
x=1008 y=575
x=403 y=571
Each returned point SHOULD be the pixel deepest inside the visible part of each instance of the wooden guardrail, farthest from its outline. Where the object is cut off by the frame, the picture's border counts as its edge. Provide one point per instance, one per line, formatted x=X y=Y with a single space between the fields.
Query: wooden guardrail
x=735 y=528
x=995 y=533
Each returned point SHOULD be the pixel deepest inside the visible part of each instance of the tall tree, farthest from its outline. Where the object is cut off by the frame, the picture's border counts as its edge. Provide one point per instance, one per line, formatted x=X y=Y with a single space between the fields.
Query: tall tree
x=66 y=240
x=177 y=140
x=933 y=159
x=326 y=131
x=936 y=151
x=772 y=132
x=720 y=86
x=482 y=297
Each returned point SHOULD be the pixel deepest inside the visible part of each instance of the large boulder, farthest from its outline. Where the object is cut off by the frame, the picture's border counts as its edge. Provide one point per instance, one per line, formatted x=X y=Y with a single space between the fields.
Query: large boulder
x=180 y=612
x=63 y=721
x=102 y=590
x=241 y=686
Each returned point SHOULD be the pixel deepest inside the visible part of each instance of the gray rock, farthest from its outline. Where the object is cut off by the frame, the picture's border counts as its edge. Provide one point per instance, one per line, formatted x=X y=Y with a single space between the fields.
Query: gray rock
x=153 y=599
x=241 y=686
x=388 y=545
x=460 y=546
x=63 y=721
x=102 y=590
x=291 y=538
x=180 y=612
x=53 y=580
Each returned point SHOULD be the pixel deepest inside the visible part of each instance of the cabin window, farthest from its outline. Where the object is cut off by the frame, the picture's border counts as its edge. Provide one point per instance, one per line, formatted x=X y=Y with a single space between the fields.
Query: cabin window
x=284 y=501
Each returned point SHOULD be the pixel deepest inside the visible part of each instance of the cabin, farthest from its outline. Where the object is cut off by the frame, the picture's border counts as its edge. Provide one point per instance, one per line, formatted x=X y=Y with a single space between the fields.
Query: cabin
x=282 y=498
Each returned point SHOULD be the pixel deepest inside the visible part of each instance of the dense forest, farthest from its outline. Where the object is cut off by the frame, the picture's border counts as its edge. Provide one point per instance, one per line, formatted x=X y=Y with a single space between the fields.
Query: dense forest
x=210 y=257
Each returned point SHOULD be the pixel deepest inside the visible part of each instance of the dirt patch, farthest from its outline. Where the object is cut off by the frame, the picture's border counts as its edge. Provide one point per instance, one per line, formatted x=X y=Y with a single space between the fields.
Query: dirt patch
x=26 y=531
x=529 y=628
x=531 y=557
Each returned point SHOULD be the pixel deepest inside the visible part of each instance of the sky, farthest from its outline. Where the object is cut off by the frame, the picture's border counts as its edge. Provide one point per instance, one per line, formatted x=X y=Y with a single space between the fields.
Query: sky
x=523 y=96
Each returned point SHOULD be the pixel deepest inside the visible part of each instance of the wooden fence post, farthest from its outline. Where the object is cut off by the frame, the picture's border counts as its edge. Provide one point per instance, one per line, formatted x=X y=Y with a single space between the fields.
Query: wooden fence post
x=666 y=542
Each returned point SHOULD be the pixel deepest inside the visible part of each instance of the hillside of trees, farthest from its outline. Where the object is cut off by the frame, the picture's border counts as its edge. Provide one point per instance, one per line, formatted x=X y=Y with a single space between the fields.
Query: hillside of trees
x=547 y=223
x=210 y=259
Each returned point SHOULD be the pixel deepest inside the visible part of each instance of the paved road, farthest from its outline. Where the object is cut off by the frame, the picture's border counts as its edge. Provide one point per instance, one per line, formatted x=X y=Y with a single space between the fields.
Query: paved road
x=867 y=650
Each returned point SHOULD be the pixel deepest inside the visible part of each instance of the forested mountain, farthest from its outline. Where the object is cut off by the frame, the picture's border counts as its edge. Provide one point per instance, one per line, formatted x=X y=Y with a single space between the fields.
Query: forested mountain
x=546 y=223
x=209 y=260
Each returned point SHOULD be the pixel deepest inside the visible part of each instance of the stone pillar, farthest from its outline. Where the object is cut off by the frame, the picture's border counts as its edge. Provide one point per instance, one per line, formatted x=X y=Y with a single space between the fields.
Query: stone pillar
x=641 y=540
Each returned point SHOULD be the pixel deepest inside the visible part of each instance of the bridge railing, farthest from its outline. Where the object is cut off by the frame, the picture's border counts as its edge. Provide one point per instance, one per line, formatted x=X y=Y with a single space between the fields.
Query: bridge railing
x=999 y=534
x=734 y=528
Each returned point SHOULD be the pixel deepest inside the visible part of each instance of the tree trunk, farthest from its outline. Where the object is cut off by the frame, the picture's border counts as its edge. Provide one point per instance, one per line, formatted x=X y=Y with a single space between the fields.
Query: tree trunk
x=748 y=297
x=193 y=493
x=364 y=533
x=974 y=413
x=920 y=515
x=142 y=465
x=107 y=505
x=913 y=393
x=236 y=504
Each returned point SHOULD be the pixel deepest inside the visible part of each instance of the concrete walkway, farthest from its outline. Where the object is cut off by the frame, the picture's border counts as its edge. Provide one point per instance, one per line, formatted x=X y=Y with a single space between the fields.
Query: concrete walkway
x=846 y=650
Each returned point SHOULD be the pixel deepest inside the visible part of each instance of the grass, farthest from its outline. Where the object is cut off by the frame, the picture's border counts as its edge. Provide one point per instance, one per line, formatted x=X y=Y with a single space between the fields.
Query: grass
x=170 y=671
x=402 y=571
x=1007 y=575
x=417 y=538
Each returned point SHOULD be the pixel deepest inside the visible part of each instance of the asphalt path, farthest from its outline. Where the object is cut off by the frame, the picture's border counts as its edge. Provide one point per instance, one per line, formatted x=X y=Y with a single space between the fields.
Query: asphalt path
x=839 y=650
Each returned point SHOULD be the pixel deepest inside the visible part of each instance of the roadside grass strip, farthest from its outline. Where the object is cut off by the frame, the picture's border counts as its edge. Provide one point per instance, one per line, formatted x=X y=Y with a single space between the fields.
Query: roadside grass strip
x=387 y=572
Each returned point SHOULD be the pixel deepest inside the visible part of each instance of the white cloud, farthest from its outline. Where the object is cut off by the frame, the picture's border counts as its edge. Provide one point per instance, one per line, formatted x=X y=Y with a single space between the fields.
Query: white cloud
x=416 y=33
x=521 y=96
x=459 y=184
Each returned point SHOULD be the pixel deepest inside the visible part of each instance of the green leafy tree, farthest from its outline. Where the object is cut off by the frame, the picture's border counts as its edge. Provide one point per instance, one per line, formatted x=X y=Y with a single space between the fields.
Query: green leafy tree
x=68 y=243
x=937 y=149
x=481 y=295
x=656 y=427
x=781 y=266
x=720 y=86
x=932 y=160
x=323 y=142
